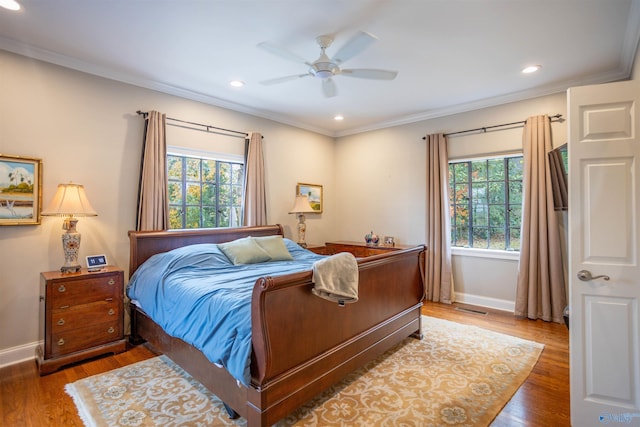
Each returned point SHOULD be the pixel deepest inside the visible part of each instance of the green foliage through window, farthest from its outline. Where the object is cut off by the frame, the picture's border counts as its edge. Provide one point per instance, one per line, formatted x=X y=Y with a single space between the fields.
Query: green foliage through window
x=485 y=198
x=204 y=193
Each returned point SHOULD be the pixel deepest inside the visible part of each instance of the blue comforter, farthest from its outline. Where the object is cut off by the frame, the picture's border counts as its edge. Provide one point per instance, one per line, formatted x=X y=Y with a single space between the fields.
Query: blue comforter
x=196 y=294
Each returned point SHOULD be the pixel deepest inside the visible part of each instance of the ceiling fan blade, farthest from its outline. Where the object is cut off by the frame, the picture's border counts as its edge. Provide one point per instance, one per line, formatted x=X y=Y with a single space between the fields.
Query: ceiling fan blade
x=329 y=88
x=369 y=73
x=354 y=46
x=283 y=79
x=282 y=52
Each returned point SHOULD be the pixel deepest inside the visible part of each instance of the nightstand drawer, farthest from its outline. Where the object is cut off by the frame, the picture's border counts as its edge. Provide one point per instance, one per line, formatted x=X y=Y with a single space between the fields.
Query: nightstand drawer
x=82 y=338
x=83 y=291
x=86 y=314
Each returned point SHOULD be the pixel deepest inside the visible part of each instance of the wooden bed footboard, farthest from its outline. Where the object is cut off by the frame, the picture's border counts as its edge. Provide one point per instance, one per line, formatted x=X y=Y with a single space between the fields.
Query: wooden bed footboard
x=302 y=344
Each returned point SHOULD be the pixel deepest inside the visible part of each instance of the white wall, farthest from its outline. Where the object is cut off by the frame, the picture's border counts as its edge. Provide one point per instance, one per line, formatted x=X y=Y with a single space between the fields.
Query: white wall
x=85 y=130
x=382 y=173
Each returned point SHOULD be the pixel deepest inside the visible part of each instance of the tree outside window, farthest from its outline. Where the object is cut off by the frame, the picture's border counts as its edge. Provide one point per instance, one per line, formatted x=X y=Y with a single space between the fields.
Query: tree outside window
x=485 y=199
x=204 y=193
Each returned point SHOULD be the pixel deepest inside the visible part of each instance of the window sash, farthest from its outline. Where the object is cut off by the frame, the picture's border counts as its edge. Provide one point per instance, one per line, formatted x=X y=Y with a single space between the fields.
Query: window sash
x=485 y=200
x=204 y=192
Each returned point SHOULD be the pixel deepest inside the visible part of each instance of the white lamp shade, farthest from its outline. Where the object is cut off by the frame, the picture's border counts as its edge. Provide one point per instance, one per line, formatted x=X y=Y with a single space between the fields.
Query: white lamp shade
x=70 y=200
x=302 y=205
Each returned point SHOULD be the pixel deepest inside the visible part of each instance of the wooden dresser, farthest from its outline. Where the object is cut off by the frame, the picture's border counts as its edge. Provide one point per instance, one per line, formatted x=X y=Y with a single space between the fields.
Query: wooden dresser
x=359 y=250
x=81 y=316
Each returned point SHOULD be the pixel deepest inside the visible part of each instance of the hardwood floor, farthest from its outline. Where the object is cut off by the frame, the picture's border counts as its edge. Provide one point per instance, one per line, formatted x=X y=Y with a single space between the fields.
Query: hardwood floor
x=543 y=400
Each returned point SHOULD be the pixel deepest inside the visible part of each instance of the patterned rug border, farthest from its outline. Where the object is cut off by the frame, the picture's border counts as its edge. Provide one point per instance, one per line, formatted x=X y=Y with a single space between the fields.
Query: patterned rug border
x=125 y=396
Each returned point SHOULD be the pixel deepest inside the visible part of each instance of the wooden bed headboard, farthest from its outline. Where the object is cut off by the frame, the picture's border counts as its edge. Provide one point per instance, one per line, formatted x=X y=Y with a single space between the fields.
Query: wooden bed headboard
x=144 y=244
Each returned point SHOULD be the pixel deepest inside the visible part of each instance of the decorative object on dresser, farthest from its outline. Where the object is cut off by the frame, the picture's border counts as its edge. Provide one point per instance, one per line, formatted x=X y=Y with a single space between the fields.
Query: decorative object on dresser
x=371 y=239
x=388 y=241
x=81 y=316
x=301 y=207
x=20 y=191
x=70 y=201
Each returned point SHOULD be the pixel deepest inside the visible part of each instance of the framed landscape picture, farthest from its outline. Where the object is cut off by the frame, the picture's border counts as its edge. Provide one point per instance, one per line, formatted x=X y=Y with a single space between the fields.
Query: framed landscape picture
x=313 y=192
x=20 y=190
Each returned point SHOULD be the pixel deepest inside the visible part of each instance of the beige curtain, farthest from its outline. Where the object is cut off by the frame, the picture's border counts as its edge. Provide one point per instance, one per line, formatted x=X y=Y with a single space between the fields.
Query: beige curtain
x=438 y=275
x=153 y=210
x=255 y=200
x=541 y=291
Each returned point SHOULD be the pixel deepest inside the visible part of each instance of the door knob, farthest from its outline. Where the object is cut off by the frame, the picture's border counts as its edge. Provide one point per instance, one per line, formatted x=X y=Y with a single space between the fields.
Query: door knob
x=585 y=276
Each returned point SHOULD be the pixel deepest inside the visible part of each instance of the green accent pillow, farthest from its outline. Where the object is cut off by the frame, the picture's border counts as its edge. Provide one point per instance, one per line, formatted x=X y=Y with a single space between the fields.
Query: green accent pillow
x=275 y=247
x=244 y=251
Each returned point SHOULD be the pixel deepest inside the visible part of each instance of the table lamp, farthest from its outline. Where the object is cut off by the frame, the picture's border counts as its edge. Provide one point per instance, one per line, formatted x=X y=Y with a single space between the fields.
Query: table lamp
x=70 y=201
x=301 y=207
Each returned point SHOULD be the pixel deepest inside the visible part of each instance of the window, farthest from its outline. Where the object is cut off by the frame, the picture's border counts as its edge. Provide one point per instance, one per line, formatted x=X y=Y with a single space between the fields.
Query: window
x=486 y=203
x=204 y=193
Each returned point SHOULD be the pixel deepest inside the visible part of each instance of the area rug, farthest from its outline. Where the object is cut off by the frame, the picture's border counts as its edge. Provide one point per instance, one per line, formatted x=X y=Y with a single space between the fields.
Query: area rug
x=458 y=375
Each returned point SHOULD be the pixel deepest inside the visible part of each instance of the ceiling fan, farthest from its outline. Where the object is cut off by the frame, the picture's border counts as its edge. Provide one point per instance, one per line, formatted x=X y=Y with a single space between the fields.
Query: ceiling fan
x=326 y=68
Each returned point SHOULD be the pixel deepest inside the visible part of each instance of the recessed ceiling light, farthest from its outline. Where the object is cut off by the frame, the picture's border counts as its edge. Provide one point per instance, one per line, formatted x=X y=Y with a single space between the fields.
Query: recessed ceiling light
x=531 y=69
x=236 y=83
x=10 y=4
x=338 y=118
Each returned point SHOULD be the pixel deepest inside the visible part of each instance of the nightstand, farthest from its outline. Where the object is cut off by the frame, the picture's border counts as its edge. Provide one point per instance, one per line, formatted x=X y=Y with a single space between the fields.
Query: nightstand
x=81 y=316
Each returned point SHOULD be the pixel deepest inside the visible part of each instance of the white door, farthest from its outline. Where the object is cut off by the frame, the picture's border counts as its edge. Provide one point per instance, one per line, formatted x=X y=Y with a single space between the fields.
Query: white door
x=604 y=252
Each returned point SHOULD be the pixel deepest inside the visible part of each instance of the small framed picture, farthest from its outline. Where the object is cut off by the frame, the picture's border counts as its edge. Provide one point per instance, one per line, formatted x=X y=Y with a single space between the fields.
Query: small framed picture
x=313 y=192
x=96 y=262
x=20 y=190
x=388 y=241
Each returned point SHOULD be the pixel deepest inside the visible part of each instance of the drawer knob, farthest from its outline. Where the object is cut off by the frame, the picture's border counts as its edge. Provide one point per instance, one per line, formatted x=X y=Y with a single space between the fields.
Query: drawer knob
x=60 y=341
x=61 y=322
x=111 y=312
x=62 y=288
x=111 y=281
x=111 y=330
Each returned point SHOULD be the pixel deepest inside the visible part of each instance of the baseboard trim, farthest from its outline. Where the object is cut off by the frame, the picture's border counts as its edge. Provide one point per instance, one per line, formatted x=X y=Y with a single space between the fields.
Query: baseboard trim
x=488 y=302
x=21 y=353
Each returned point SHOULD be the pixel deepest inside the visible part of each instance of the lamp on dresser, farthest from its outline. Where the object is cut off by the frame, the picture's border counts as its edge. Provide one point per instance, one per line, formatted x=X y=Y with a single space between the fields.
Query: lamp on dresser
x=301 y=207
x=70 y=201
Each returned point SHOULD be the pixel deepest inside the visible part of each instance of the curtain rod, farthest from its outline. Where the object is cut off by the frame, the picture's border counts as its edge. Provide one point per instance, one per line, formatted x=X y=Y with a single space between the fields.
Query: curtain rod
x=557 y=117
x=207 y=127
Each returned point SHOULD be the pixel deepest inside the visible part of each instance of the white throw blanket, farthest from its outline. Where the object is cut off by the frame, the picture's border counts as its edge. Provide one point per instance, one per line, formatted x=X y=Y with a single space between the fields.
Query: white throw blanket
x=336 y=278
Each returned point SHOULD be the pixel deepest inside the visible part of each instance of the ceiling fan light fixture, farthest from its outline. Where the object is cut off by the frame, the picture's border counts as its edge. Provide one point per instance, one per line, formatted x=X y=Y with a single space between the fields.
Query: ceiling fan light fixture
x=236 y=83
x=323 y=70
x=338 y=117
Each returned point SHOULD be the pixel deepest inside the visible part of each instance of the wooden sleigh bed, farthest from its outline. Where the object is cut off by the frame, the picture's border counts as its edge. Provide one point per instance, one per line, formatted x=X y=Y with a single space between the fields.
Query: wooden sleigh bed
x=301 y=344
